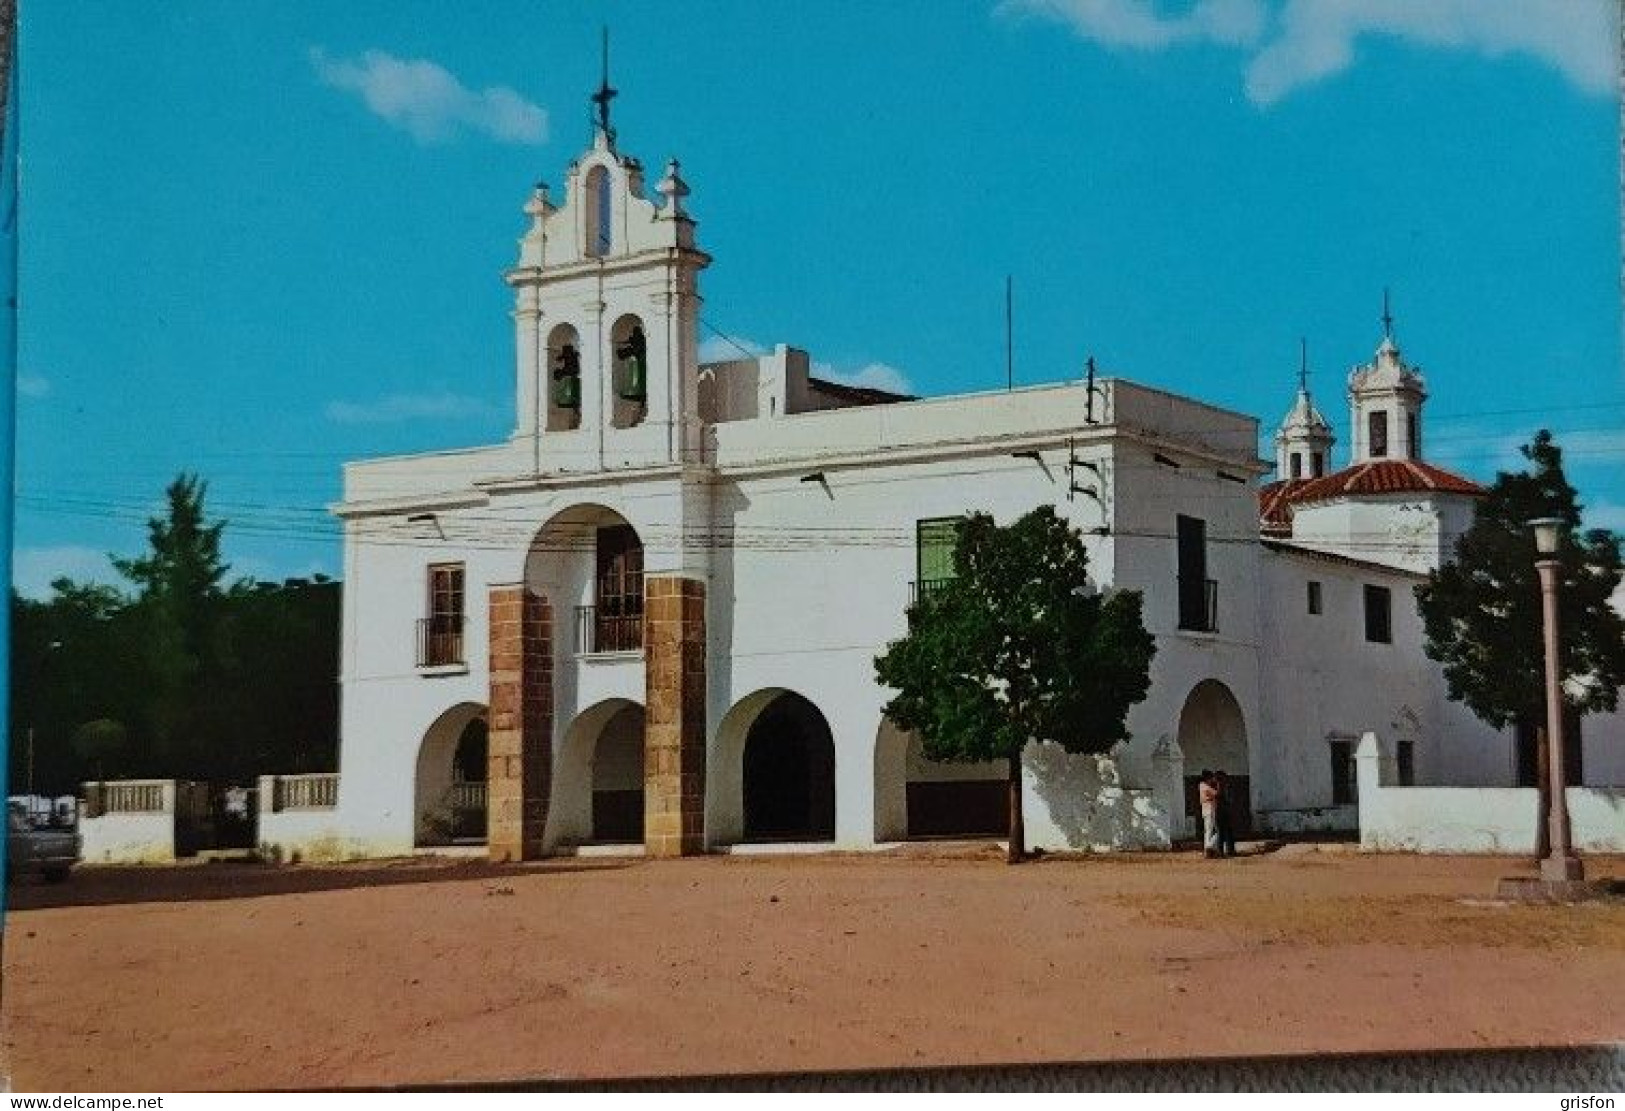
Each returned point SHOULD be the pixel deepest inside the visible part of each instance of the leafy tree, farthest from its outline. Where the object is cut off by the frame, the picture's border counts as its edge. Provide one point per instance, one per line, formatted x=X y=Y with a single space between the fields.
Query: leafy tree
x=1018 y=647
x=210 y=680
x=100 y=743
x=1482 y=612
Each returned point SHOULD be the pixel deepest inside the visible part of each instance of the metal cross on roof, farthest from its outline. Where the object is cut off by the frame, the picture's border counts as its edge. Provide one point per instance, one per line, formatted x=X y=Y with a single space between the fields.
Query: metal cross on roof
x=1387 y=317
x=604 y=95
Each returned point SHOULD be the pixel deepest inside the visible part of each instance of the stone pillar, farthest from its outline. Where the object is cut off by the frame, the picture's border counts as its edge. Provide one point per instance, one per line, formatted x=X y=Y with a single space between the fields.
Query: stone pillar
x=1168 y=784
x=674 y=729
x=521 y=716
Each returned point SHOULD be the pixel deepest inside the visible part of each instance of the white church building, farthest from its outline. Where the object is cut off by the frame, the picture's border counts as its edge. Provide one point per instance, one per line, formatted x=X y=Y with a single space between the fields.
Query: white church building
x=650 y=616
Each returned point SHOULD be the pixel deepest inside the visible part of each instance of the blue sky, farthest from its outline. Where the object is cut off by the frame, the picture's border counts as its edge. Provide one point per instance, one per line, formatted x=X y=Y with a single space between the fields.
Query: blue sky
x=261 y=238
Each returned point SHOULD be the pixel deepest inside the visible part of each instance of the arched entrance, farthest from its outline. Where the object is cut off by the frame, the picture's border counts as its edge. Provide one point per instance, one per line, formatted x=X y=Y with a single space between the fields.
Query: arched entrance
x=1213 y=736
x=920 y=798
x=450 y=785
x=775 y=771
x=588 y=560
x=598 y=785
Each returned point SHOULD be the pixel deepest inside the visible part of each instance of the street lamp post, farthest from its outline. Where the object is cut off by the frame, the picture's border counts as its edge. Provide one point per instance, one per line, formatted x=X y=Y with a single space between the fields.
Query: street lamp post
x=1561 y=865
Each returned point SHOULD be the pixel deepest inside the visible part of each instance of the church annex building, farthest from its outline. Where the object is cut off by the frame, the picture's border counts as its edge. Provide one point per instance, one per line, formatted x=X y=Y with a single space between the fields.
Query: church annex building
x=649 y=618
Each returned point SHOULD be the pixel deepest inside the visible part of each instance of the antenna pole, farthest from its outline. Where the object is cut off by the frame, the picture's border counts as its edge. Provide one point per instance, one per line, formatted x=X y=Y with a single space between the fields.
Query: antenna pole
x=1009 y=333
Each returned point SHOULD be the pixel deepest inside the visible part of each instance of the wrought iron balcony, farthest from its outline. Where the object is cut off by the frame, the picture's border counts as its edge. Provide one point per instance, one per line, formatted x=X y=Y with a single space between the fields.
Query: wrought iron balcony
x=597 y=631
x=1198 y=605
x=440 y=641
x=925 y=587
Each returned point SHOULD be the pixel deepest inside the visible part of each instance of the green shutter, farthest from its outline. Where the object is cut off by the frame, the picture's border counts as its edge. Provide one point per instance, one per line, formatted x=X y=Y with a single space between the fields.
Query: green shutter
x=935 y=548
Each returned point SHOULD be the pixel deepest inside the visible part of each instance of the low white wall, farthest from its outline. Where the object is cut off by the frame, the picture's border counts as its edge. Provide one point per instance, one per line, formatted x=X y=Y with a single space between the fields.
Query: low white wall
x=301 y=834
x=1496 y=820
x=125 y=836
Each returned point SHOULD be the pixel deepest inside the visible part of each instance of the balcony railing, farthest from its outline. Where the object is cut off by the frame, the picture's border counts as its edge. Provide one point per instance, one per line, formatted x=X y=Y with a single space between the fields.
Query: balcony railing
x=1198 y=605
x=607 y=632
x=924 y=588
x=305 y=792
x=440 y=641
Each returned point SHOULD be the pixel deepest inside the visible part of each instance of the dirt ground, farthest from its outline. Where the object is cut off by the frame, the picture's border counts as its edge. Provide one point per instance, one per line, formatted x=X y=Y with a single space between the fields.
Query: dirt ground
x=244 y=976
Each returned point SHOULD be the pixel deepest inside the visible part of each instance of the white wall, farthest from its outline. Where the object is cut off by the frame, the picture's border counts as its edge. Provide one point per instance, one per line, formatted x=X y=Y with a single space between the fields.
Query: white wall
x=303 y=835
x=126 y=837
x=1495 y=820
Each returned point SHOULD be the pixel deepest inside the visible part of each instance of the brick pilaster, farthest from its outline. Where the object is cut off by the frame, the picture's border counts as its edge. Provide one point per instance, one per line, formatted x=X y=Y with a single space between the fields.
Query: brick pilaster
x=674 y=718
x=521 y=736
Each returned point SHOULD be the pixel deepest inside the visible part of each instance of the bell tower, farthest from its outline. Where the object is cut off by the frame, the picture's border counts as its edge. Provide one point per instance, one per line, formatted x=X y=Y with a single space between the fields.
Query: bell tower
x=1303 y=443
x=1385 y=402
x=606 y=314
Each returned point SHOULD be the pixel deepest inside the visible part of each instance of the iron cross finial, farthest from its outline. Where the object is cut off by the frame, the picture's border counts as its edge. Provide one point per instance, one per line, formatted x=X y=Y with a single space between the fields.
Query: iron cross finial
x=1387 y=316
x=604 y=95
x=1303 y=364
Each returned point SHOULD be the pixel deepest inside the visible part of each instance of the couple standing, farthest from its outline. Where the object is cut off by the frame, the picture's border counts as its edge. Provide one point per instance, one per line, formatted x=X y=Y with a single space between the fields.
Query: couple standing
x=1218 y=834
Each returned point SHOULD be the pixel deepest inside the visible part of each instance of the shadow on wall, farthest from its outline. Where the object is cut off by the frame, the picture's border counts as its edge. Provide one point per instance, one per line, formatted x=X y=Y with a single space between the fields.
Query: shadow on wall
x=1084 y=798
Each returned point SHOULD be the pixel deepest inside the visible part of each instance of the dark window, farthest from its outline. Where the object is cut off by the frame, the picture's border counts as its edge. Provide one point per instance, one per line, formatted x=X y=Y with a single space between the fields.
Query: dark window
x=934 y=541
x=604 y=206
x=1379 y=602
x=618 y=618
x=1314 y=597
x=1405 y=759
x=1345 y=783
x=440 y=637
x=1296 y=469
x=1377 y=434
x=1317 y=464
x=1198 y=594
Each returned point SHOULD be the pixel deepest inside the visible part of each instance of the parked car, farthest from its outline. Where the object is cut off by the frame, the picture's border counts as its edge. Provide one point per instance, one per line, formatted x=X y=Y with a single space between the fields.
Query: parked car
x=49 y=851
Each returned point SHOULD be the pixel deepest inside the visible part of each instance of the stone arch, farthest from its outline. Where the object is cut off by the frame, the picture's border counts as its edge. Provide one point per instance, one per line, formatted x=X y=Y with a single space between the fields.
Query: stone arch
x=564 y=390
x=449 y=788
x=774 y=772
x=598 y=779
x=1213 y=736
x=920 y=798
x=628 y=371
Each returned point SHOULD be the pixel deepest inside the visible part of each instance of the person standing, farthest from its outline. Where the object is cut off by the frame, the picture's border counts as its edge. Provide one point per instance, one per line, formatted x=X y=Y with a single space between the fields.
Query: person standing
x=1207 y=794
x=1225 y=827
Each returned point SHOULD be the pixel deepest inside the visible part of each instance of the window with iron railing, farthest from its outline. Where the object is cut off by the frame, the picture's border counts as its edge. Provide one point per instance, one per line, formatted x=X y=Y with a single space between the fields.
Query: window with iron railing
x=615 y=622
x=440 y=635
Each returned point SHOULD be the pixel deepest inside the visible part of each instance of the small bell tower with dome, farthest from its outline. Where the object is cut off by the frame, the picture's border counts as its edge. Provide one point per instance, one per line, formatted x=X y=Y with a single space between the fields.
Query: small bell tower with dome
x=1385 y=403
x=1303 y=443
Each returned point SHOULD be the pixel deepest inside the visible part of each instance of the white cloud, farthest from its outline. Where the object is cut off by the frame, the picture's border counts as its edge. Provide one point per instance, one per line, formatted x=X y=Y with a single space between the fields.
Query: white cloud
x=719 y=349
x=428 y=102
x=404 y=407
x=1317 y=38
x=32 y=385
x=875 y=376
x=1294 y=43
x=1137 y=24
x=33 y=569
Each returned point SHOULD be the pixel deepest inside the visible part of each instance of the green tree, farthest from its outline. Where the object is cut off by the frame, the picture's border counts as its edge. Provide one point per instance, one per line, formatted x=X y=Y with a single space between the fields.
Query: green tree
x=180 y=606
x=100 y=744
x=1018 y=646
x=1482 y=612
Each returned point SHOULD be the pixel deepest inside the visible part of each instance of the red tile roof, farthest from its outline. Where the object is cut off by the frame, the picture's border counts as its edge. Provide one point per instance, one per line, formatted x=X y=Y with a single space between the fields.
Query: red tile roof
x=1386 y=476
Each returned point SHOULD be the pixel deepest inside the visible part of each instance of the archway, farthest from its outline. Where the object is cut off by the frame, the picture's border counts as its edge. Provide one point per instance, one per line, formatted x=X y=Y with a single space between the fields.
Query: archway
x=598 y=783
x=917 y=798
x=588 y=559
x=1213 y=736
x=450 y=785
x=775 y=770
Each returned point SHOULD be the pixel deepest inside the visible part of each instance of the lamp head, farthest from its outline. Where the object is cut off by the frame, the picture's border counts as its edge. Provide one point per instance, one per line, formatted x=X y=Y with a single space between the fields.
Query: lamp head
x=1547 y=532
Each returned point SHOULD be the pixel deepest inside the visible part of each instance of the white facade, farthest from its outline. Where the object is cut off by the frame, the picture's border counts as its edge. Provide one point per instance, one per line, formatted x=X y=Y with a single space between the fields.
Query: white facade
x=795 y=503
